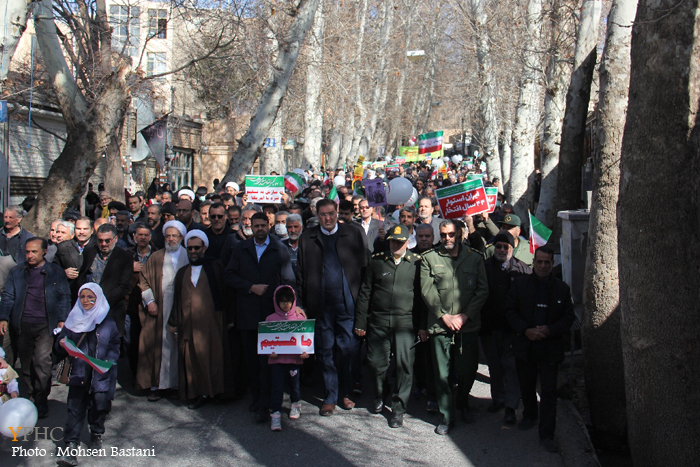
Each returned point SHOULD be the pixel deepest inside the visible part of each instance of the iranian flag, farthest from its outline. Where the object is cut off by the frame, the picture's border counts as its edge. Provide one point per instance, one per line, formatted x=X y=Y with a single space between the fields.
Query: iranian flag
x=100 y=366
x=539 y=233
x=293 y=182
x=334 y=195
x=430 y=142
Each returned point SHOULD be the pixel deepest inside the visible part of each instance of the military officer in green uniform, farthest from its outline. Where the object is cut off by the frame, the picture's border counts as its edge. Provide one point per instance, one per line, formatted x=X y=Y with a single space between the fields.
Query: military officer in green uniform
x=455 y=288
x=387 y=311
x=511 y=223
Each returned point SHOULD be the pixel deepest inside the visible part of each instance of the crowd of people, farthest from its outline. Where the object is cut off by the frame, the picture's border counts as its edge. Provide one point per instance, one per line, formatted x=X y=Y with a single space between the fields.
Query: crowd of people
x=178 y=282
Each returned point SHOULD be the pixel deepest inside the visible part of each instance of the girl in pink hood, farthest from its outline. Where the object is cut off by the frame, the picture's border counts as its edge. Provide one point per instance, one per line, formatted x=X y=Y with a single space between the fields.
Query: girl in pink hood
x=285 y=367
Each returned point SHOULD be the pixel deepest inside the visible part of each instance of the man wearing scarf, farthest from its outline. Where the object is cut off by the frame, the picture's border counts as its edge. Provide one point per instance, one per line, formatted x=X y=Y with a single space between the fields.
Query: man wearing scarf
x=199 y=322
x=157 y=364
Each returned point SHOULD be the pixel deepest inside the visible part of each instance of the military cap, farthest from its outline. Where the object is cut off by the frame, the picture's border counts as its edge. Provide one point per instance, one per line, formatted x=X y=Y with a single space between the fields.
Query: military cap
x=400 y=233
x=511 y=219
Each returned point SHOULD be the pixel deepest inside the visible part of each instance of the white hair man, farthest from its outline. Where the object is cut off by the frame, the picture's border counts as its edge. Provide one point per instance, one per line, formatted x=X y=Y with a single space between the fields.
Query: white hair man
x=12 y=236
x=157 y=363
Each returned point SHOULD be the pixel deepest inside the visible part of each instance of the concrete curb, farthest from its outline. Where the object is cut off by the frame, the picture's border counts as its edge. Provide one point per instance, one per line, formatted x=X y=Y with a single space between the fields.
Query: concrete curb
x=575 y=445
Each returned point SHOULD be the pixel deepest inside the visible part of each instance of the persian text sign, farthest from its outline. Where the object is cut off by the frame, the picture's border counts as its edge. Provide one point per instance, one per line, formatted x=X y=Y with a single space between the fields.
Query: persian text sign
x=491 y=198
x=464 y=198
x=286 y=337
x=264 y=188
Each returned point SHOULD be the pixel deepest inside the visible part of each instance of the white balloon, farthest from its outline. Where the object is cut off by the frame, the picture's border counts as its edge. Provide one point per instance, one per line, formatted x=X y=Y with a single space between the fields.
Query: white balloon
x=387 y=158
x=339 y=181
x=400 y=190
x=414 y=197
x=19 y=412
x=457 y=159
x=437 y=163
x=446 y=159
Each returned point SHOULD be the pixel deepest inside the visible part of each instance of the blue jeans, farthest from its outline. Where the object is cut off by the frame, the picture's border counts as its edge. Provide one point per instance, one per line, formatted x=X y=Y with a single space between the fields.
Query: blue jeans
x=282 y=372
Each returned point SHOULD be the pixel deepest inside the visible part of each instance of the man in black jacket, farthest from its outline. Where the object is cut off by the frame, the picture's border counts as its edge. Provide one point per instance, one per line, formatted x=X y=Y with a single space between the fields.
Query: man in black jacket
x=69 y=254
x=112 y=268
x=330 y=264
x=496 y=335
x=257 y=267
x=36 y=300
x=540 y=311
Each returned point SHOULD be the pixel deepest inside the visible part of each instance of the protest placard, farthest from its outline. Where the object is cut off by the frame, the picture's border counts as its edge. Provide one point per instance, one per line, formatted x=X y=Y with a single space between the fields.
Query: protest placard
x=475 y=177
x=286 y=337
x=374 y=189
x=463 y=198
x=264 y=188
x=491 y=198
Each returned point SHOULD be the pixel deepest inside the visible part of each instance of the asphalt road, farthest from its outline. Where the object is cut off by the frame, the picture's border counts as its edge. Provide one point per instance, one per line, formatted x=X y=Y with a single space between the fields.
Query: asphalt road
x=226 y=434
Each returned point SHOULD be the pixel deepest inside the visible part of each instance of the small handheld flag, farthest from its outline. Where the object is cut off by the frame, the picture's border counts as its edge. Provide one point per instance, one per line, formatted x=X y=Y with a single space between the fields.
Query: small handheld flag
x=539 y=233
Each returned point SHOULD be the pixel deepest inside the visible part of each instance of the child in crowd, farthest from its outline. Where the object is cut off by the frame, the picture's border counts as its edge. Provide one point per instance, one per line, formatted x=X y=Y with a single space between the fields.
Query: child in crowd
x=9 y=389
x=285 y=367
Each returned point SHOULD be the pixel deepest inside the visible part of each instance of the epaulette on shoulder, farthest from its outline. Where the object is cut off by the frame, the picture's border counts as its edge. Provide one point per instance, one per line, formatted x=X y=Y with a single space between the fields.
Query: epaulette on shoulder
x=378 y=255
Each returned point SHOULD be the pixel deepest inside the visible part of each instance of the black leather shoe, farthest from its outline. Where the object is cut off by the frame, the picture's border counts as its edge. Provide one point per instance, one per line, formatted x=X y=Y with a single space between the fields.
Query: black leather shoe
x=378 y=405
x=42 y=410
x=396 y=420
x=154 y=396
x=495 y=407
x=526 y=423
x=444 y=428
x=467 y=415
x=95 y=441
x=509 y=418
x=198 y=402
x=69 y=459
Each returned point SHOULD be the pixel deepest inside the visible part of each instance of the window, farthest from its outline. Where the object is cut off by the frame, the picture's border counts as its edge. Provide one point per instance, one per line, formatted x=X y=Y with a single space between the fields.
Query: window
x=155 y=63
x=158 y=24
x=125 y=28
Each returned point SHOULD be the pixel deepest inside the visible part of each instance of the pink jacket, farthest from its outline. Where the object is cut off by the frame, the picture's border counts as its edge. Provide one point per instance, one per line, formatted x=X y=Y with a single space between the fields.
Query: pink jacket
x=280 y=315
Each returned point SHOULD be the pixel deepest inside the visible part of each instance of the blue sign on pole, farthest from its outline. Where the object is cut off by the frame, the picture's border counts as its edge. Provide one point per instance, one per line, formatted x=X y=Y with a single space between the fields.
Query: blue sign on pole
x=269 y=142
x=3 y=111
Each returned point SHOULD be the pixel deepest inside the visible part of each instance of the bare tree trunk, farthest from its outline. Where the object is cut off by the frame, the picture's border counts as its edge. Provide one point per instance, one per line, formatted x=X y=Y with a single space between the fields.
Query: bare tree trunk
x=334 y=149
x=557 y=75
x=14 y=16
x=380 y=79
x=273 y=157
x=114 y=169
x=577 y=98
x=659 y=279
x=89 y=128
x=527 y=114
x=246 y=152
x=359 y=125
x=487 y=92
x=506 y=157
x=348 y=137
x=602 y=345
x=313 y=114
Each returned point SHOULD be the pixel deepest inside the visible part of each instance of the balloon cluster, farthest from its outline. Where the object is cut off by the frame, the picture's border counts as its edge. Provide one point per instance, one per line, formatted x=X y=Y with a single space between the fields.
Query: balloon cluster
x=15 y=413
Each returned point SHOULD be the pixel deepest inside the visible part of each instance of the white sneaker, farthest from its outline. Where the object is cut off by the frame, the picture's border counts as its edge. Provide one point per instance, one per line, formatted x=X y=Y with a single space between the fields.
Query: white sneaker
x=276 y=421
x=295 y=411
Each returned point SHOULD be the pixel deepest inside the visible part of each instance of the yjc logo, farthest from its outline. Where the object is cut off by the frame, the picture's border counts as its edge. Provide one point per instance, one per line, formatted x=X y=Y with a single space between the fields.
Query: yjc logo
x=41 y=433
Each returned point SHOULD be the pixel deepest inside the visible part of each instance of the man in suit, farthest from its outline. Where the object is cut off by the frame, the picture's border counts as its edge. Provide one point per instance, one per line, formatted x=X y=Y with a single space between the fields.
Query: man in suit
x=370 y=225
x=69 y=254
x=330 y=263
x=256 y=268
x=540 y=311
x=111 y=267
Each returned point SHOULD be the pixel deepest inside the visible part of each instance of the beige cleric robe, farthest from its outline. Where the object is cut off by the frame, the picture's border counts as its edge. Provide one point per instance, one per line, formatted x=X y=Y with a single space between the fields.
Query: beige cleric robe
x=201 y=334
x=157 y=365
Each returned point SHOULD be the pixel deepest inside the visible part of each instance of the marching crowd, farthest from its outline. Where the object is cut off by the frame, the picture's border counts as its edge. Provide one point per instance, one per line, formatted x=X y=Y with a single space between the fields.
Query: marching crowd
x=178 y=282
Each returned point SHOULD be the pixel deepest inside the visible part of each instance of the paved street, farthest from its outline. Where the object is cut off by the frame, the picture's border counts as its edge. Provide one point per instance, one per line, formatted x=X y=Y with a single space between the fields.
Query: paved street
x=227 y=435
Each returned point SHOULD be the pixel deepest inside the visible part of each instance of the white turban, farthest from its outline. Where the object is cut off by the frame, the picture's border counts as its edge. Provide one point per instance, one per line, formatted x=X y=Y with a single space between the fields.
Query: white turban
x=186 y=192
x=196 y=233
x=178 y=225
x=234 y=185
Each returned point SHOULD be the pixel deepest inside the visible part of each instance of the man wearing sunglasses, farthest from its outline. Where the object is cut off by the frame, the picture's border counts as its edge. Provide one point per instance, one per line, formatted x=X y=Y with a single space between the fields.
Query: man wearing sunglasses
x=496 y=334
x=511 y=224
x=218 y=231
x=454 y=287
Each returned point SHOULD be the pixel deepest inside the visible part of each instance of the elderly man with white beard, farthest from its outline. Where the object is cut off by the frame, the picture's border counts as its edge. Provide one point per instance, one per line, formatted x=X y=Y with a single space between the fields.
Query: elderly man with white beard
x=295 y=226
x=157 y=364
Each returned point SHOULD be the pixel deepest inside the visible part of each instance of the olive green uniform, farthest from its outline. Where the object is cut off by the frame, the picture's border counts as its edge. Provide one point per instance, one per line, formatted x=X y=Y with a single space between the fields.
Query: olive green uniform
x=388 y=309
x=522 y=251
x=453 y=286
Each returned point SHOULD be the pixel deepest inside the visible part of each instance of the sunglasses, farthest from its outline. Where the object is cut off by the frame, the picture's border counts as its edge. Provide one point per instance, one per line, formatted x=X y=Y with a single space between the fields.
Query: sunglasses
x=447 y=234
x=194 y=248
x=501 y=247
x=216 y=216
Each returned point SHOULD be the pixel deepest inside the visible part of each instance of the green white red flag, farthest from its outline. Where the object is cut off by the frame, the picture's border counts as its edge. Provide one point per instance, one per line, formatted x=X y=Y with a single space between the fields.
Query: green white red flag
x=334 y=195
x=100 y=366
x=430 y=142
x=293 y=182
x=539 y=233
